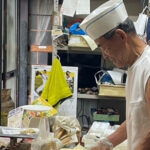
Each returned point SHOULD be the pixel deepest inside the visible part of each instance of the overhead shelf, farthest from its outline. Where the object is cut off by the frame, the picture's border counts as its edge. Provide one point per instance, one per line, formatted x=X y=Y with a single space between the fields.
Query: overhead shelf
x=92 y=97
x=80 y=50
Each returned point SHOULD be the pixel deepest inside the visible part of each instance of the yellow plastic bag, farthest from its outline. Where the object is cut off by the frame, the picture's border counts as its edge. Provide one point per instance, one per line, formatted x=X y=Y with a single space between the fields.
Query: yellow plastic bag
x=41 y=101
x=56 y=88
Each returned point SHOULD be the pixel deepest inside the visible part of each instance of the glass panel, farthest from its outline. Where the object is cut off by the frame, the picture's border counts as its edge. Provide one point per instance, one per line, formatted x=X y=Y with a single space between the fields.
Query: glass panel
x=33 y=6
x=42 y=58
x=40 y=38
x=46 y=7
x=40 y=22
x=41 y=7
x=32 y=38
x=32 y=22
x=46 y=39
x=11 y=35
x=44 y=23
x=11 y=84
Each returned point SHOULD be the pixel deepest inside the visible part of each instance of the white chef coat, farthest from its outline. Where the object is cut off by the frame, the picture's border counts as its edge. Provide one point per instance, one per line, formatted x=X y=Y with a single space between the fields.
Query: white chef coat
x=137 y=114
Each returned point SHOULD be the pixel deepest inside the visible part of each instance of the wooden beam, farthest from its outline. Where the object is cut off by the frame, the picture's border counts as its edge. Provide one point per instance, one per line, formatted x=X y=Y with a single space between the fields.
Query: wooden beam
x=37 y=48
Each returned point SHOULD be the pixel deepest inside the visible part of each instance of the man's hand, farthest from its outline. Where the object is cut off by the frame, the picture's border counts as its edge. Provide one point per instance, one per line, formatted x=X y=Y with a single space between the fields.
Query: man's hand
x=103 y=144
x=112 y=140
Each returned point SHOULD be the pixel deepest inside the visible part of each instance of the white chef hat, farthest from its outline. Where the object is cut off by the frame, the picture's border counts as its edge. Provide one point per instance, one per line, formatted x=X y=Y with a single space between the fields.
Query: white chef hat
x=104 y=18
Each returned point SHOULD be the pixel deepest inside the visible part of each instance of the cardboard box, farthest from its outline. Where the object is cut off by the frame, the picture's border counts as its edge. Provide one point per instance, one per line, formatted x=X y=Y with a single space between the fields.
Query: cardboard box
x=112 y=90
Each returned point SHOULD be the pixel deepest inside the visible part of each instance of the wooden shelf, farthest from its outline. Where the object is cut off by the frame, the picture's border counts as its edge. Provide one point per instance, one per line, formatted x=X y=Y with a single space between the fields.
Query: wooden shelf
x=80 y=50
x=88 y=96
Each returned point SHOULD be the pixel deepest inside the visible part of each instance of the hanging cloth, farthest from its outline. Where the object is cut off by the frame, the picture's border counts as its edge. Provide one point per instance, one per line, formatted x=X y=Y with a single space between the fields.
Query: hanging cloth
x=148 y=30
x=140 y=24
x=56 y=88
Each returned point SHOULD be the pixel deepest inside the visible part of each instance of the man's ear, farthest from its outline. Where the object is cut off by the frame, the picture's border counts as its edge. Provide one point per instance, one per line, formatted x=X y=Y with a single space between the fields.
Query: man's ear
x=121 y=35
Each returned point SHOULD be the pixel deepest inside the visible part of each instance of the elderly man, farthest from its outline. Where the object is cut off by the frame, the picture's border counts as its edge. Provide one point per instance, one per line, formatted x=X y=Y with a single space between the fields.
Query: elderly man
x=115 y=34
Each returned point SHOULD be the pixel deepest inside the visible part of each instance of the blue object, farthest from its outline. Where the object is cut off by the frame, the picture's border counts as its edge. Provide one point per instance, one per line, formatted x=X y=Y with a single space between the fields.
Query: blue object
x=75 y=29
x=107 y=78
x=148 y=30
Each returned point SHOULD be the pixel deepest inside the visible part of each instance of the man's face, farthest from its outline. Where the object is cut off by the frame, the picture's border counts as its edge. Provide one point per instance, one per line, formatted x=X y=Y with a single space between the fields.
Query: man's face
x=113 y=49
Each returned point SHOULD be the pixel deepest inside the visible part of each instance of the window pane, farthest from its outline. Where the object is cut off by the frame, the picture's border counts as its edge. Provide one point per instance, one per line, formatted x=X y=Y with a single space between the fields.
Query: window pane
x=11 y=35
x=46 y=7
x=40 y=22
x=40 y=38
x=32 y=38
x=42 y=58
x=11 y=84
x=46 y=39
x=41 y=7
x=44 y=23
x=32 y=22
x=33 y=6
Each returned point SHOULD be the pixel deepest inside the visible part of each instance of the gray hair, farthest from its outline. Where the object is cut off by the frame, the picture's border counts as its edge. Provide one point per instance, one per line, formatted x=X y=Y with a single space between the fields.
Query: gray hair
x=127 y=26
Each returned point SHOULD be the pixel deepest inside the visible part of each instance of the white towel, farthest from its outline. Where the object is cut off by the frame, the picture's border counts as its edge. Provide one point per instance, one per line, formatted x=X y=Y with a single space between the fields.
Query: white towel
x=140 y=24
x=90 y=42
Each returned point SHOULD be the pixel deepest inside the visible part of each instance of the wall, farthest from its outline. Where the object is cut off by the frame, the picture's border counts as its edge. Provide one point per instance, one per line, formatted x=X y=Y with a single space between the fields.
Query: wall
x=130 y=6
